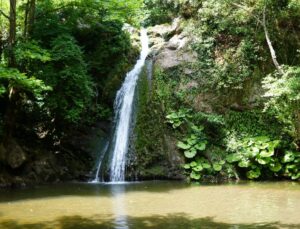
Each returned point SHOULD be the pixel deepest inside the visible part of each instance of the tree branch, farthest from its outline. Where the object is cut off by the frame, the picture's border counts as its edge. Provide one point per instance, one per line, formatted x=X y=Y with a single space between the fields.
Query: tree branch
x=272 y=50
x=6 y=16
x=267 y=36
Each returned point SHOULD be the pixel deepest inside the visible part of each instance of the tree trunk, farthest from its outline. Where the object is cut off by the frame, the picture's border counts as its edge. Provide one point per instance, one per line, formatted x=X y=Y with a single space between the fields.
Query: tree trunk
x=26 y=19
x=10 y=113
x=29 y=18
x=267 y=36
x=271 y=48
x=1 y=45
x=12 y=33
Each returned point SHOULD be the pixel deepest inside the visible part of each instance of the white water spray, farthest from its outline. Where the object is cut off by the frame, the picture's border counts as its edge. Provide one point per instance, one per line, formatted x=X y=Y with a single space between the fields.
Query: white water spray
x=96 y=179
x=123 y=114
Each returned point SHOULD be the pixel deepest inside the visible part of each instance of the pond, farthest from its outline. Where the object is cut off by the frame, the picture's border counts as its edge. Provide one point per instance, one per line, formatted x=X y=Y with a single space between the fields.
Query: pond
x=155 y=204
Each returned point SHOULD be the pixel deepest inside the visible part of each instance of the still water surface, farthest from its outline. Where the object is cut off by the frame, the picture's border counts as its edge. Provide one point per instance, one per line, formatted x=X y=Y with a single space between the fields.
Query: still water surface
x=158 y=204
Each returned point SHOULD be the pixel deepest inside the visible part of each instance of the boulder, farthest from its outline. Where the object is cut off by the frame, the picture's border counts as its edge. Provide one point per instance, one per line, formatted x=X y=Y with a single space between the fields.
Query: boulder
x=177 y=42
x=169 y=45
x=165 y=30
x=171 y=58
x=15 y=155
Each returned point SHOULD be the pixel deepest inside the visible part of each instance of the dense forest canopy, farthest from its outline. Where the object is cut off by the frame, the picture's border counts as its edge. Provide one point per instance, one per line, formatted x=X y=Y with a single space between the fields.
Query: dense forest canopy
x=56 y=56
x=62 y=61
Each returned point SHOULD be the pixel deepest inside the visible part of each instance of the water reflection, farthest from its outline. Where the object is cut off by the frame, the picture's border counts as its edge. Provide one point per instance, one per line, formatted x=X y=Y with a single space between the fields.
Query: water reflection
x=152 y=205
x=119 y=206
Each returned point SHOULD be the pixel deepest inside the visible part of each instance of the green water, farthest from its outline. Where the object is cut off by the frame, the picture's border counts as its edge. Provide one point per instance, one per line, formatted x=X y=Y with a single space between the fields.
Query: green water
x=152 y=205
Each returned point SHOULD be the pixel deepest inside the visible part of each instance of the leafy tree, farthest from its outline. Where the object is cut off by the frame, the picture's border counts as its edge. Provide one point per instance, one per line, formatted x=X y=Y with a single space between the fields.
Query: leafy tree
x=67 y=75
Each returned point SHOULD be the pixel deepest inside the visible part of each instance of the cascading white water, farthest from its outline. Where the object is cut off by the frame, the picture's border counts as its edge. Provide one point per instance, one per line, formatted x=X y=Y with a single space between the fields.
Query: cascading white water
x=123 y=114
x=96 y=179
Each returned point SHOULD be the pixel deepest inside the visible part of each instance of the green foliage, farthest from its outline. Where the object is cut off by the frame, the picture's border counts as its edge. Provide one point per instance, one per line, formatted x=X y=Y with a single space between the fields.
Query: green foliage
x=250 y=123
x=193 y=144
x=106 y=57
x=76 y=47
x=177 y=118
x=291 y=163
x=13 y=78
x=256 y=155
x=163 y=11
x=200 y=167
x=67 y=75
x=28 y=51
x=283 y=97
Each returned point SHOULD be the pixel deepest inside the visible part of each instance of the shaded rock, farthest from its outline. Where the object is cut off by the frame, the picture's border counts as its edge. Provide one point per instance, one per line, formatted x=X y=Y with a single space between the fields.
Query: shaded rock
x=5 y=181
x=2 y=153
x=15 y=155
x=175 y=158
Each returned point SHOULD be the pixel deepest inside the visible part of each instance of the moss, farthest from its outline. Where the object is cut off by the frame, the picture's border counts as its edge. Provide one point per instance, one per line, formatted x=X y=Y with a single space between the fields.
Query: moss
x=150 y=146
x=115 y=78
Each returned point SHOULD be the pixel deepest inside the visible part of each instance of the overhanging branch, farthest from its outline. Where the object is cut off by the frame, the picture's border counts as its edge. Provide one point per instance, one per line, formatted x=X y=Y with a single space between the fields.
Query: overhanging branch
x=267 y=36
x=3 y=14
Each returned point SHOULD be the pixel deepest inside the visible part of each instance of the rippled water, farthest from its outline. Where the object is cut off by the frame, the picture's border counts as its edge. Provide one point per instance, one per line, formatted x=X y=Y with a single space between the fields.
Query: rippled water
x=152 y=205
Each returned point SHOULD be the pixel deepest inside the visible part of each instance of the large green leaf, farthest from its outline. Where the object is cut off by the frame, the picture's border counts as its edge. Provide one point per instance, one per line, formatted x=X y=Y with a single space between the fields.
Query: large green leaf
x=198 y=168
x=253 y=174
x=296 y=177
x=263 y=160
x=172 y=116
x=206 y=165
x=187 y=166
x=261 y=139
x=182 y=145
x=197 y=128
x=234 y=157
x=201 y=146
x=222 y=162
x=217 y=167
x=275 y=166
x=264 y=146
x=195 y=176
x=244 y=163
x=190 y=153
x=253 y=152
x=266 y=153
x=192 y=141
x=288 y=157
x=193 y=164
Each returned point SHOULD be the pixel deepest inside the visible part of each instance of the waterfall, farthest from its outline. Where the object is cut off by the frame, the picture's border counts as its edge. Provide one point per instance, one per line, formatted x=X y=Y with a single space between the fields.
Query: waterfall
x=96 y=179
x=123 y=115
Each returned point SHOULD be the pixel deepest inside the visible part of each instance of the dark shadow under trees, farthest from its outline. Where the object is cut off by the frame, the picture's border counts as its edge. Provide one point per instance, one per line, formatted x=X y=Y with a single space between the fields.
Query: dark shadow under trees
x=166 y=222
